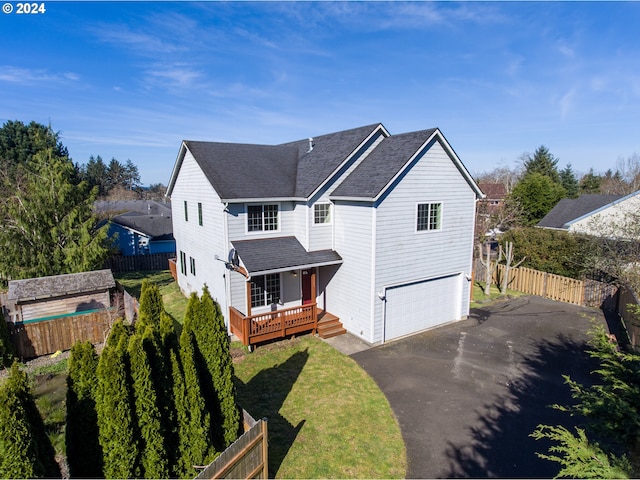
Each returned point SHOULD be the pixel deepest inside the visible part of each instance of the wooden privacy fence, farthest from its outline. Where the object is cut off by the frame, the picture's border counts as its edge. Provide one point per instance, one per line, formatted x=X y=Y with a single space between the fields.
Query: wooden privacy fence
x=247 y=457
x=138 y=263
x=588 y=293
x=34 y=338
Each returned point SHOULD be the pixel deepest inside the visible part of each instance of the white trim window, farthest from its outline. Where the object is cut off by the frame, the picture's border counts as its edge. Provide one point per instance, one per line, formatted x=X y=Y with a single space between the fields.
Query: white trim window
x=262 y=218
x=429 y=217
x=265 y=290
x=183 y=263
x=322 y=214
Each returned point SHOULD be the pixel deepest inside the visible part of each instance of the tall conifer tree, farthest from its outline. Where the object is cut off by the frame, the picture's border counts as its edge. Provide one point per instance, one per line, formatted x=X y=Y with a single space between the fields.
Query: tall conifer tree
x=84 y=454
x=118 y=433
x=148 y=416
x=25 y=448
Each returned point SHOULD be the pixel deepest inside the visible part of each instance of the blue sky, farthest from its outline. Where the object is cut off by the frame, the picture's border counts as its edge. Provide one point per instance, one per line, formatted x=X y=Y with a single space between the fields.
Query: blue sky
x=132 y=80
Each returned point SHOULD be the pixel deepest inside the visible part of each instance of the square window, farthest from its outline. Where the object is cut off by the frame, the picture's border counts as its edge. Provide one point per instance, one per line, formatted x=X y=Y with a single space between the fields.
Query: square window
x=265 y=290
x=429 y=216
x=262 y=218
x=321 y=213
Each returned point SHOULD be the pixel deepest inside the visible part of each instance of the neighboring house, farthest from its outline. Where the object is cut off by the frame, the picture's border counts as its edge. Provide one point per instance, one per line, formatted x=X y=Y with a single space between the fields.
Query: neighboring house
x=144 y=228
x=493 y=201
x=45 y=298
x=589 y=213
x=373 y=228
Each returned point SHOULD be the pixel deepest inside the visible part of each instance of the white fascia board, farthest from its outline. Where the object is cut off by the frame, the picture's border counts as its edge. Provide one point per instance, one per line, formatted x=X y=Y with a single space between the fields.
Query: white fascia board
x=379 y=129
x=352 y=199
x=262 y=200
x=176 y=169
x=295 y=267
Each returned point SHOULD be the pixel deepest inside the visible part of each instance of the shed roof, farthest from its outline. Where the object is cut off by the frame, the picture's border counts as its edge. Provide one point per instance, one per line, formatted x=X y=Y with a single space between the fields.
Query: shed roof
x=272 y=255
x=60 y=285
x=569 y=209
x=143 y=207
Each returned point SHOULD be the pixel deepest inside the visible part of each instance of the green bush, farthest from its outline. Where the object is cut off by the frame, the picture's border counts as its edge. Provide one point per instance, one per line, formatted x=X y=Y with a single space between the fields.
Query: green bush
x=551 y=251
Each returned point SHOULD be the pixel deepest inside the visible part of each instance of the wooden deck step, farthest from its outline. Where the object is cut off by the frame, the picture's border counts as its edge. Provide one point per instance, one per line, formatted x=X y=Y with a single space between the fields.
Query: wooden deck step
x=329 y=326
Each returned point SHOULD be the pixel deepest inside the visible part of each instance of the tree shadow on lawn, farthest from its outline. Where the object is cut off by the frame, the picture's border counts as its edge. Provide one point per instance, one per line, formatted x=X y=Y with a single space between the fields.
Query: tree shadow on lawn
x=264 y=395
x=500 y=445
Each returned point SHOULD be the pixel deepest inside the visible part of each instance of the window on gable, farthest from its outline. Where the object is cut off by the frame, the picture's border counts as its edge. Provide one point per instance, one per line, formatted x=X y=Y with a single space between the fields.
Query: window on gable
x=186 y=212
x=429 y=216
x=199 y=213
x=265 y=290
x=262 y=218
x=321 y=213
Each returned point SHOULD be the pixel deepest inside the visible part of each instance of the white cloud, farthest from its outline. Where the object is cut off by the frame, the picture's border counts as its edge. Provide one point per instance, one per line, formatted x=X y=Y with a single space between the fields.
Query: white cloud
x=20 y=75
x=567 y=102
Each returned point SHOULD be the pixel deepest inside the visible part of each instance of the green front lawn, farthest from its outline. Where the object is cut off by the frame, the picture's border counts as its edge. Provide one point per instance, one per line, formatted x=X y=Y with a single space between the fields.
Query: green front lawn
x=326 y=417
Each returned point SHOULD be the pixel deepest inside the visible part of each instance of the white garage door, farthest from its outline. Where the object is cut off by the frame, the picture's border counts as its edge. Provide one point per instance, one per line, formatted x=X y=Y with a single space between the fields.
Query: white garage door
x=420 y=305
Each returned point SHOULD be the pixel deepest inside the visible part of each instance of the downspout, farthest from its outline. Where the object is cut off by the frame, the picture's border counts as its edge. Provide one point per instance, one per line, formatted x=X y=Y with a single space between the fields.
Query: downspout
x=227 y=280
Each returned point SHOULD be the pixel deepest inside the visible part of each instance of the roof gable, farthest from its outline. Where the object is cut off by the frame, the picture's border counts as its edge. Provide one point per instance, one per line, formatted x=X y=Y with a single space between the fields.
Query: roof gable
x=570 y=209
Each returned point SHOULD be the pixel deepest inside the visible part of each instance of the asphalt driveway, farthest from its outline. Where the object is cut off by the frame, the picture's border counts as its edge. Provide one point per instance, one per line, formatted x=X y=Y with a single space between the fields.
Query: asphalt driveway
x=468 y=395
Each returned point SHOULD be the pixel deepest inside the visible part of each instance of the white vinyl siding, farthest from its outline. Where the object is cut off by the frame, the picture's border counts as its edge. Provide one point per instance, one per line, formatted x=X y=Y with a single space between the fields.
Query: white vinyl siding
x=200 y=242
x=348 y=291
x=402 y=256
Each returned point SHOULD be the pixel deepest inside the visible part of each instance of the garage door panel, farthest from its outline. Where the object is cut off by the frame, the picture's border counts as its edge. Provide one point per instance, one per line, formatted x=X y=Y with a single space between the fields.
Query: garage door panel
x=420 y=305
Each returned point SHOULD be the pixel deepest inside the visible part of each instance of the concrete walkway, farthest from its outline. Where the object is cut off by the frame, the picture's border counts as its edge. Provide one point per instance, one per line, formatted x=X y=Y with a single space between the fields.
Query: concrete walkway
x=468 y=395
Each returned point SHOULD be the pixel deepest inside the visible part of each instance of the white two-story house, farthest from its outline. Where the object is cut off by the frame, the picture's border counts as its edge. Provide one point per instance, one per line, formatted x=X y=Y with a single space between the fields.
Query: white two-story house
x=372 y=228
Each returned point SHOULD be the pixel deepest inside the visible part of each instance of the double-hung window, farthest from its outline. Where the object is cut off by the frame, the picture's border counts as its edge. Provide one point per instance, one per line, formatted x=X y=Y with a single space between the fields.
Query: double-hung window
x=183 y=263
x=265 y=290
x=199 y=213
x=262 y=218
x=429 y=217
x=192 y=265
x=322 y=214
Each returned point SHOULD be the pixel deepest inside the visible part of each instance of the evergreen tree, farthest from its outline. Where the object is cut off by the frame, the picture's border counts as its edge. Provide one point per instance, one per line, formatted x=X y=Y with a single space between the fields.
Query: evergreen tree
x=183 y=464
x=95 y=174
x=200 y=450
x=569 y=181
x=151 y=307
x=213 y=339
x=148 y=414
x=544 y=163
x=84 y=454
x=20 y=142
x=48 y=224
x=536 y=194
x=118 y=436
x=590 y=183
x=25 y=448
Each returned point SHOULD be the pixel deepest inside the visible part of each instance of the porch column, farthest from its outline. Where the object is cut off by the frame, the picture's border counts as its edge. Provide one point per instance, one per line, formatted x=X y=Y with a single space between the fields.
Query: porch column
x=248 y=298
x=314 y=293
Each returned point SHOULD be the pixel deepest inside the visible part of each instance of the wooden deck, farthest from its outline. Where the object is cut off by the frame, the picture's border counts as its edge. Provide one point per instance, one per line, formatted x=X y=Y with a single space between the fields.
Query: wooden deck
x=262 y=327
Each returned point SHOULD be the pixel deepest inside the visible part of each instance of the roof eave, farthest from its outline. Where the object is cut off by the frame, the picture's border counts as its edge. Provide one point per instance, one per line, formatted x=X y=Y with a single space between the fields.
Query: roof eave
x=176 y=169
x=262 y=199
x=296 y=267
x=379 y=129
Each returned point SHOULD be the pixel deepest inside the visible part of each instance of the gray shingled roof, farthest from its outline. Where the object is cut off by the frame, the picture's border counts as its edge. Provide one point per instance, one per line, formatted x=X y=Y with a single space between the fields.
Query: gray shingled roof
x=144 y=207
x=155 y=226
x=569 y=209
x=59 y=285
x=240 y=171
x=370 y=177
x=281 y=254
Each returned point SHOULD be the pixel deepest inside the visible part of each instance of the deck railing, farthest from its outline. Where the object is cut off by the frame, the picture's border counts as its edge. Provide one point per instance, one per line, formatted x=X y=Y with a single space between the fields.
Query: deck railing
x=276 y=324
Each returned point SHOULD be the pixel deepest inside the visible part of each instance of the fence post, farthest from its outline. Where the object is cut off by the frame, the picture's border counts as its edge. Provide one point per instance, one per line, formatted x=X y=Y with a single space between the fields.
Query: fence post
x=265 y=449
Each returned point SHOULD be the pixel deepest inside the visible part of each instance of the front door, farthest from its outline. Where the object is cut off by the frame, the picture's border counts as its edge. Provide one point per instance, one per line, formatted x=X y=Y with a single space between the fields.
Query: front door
x=307 y=294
